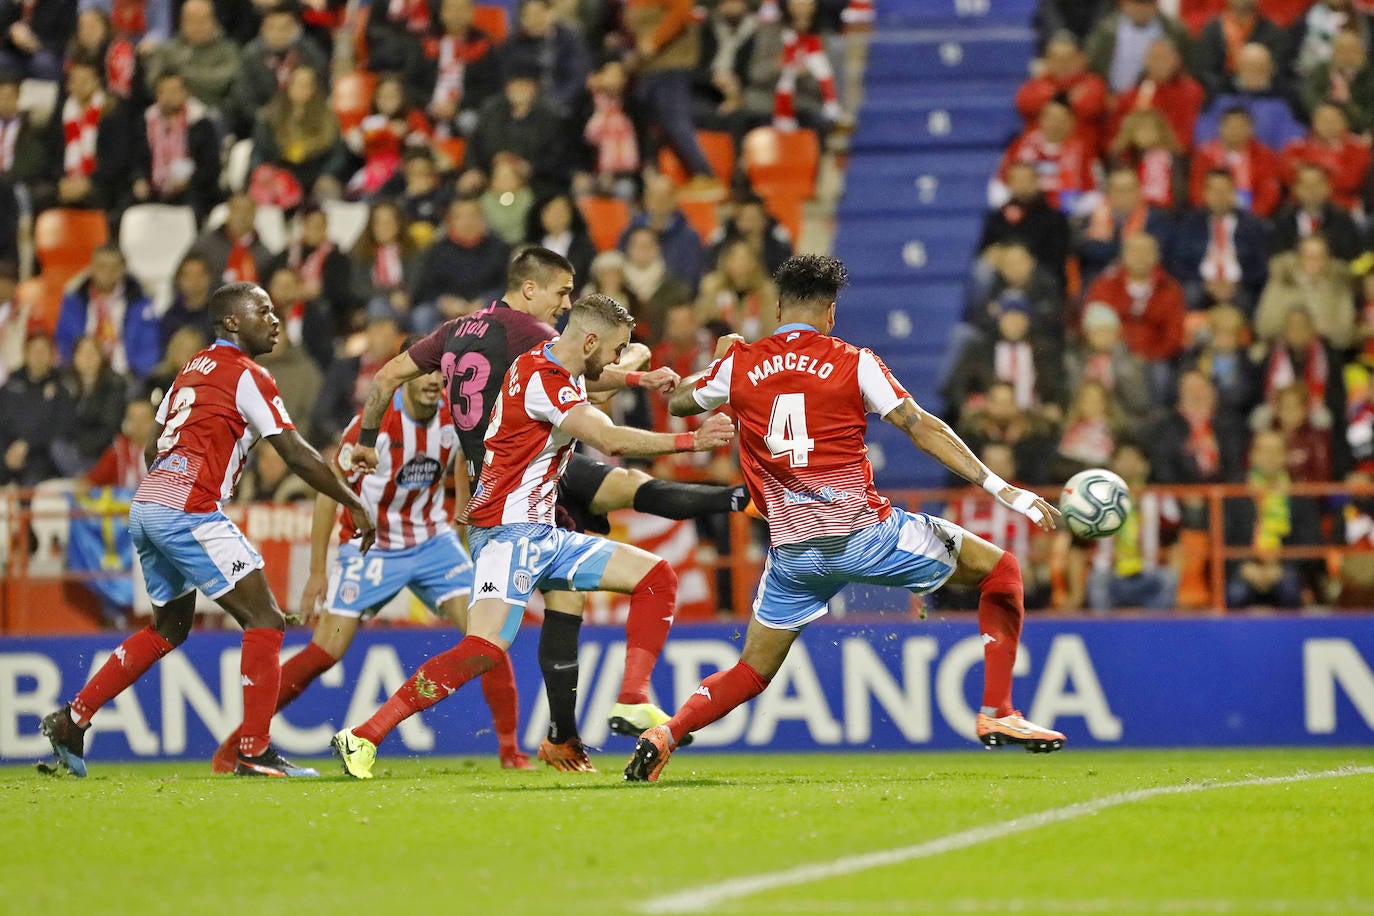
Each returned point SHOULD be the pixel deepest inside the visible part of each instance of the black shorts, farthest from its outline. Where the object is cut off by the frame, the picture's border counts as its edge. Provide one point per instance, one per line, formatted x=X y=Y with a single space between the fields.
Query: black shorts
x=577 y=489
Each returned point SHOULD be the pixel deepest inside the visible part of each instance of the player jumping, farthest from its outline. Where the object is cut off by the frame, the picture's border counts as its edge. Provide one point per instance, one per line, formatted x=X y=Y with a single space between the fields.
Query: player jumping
x=416 y=548
x=542 y=408
x=221 y=403
x=801 y=397
x=475 y=352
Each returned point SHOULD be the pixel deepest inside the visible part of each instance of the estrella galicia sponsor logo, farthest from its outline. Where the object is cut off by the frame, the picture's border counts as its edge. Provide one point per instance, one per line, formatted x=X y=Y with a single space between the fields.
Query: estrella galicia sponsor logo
x=419 y=473
x=823 y=495
x=522 y=580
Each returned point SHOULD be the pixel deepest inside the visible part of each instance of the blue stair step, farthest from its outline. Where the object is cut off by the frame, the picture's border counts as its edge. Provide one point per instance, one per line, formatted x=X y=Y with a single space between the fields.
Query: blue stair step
x=1003 y=88
x=903 y=249
x=928 y=301
x=925 y=13
x=921 y=124
x=955 y=54
x=919 y=194
x=910 y=165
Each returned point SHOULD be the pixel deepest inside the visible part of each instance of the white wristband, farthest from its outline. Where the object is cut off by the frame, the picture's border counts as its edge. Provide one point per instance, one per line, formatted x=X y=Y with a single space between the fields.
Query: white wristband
x=994 y=484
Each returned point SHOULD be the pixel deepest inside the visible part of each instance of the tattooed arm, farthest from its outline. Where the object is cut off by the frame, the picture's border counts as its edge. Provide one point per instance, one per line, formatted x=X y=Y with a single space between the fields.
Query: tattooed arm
x=934 y=437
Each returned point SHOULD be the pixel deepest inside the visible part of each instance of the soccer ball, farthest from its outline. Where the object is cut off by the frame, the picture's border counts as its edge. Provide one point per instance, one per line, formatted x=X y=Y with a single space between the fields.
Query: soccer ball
x=1095 y=503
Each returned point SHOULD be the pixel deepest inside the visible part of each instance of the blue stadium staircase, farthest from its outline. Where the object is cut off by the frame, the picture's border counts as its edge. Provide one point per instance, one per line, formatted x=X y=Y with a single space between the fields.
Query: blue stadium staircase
x=936 y=115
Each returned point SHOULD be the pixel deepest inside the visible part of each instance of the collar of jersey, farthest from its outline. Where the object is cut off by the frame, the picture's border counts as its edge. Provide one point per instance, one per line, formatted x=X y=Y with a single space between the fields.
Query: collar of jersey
x=548 y=354
x=796 y=326
x=221 y=342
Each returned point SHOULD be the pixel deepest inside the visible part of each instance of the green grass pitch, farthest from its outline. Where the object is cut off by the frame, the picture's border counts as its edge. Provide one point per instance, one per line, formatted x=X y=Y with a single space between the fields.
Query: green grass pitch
x=433 y=836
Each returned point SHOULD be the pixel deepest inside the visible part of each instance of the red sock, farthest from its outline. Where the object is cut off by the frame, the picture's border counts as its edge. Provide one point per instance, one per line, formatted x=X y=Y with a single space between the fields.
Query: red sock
x=715 y=698
x=436 y=679
x=300 y=671
x=498 y=687
x=1000 y=612
x=261 y=669
x=134 y=656
x=651 y=614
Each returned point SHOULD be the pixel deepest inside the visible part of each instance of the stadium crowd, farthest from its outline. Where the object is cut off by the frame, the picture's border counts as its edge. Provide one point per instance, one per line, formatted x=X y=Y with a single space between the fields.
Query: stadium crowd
x=1178 y=282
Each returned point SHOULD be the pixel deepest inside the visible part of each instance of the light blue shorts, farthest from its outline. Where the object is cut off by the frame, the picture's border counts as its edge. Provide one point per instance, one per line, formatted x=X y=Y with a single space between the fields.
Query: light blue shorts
x=910 y=550
x=183 y=551
x=514 y=560
x=435 y=570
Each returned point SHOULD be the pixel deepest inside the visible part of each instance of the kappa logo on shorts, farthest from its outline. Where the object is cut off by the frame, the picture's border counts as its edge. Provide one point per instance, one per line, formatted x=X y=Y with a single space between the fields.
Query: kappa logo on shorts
x=522 y=581
x=238 y=567
x=488 y=588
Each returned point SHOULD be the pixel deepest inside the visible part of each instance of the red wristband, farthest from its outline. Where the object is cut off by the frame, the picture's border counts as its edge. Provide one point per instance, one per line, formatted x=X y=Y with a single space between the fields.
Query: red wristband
x=685 y=442
x=632 y=379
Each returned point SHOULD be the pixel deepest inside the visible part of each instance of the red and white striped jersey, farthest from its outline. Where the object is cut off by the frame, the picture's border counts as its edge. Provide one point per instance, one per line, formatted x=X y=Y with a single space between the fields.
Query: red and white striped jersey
x=526 y=451
x=801 y=399
x=219 y=406
x=406 y=490
x=984 y=516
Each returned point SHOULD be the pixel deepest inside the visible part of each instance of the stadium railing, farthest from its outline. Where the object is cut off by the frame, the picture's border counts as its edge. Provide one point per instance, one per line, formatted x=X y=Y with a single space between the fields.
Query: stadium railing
x=61 y=549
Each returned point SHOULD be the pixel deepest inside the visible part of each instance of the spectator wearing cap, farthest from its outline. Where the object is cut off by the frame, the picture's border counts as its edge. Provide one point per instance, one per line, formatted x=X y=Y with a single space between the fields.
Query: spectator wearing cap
x=1313 y=214
x=325 y=272
x=267 y=61
x=176 y=150
x=666 y=39
x=1346 y=81
x=1031 y=364
x=519 y=122
x=1151 y=308
x=1061 y=154
x=1028 y=219
x=34 y=35
x=1217 y=54
x=34 y=414
x=553 y=49
x=1309 y=278
x=232 y=251
x=346 y=382
x=1165 y=86
x=1122 y=214
x=1117 y=45
x=1219 y=249
x=679 y=242
x=463 y=270
x=1064 y=71
x=1331 y=146
x=1259 y=90
x=200 y=51
x=1254 y=168
x=1101 y=357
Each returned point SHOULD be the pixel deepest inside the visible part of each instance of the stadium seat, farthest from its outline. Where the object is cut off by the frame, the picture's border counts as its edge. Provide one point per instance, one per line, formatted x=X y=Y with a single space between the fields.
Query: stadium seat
x=719 y=148
x=703 y=214
x=453 y=149
x=39 y=99
x=153 y=238
x=63 y=240
x=494 y=20
x=780 y=162
x=236 y=165
x=347 y=220
x=352 y=98
x=44 y=299
x=606 y=219
x=270 y=223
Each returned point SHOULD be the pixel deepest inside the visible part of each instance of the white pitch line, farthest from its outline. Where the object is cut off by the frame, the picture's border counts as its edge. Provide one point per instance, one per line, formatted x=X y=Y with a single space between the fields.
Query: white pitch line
x=699 y=899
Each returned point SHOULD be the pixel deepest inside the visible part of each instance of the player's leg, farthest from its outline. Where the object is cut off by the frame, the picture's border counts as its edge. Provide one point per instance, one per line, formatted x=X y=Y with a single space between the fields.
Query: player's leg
x=630 y=488
x=562 y=748
x=1001 y=610
x=492 y=625
x=173 y=599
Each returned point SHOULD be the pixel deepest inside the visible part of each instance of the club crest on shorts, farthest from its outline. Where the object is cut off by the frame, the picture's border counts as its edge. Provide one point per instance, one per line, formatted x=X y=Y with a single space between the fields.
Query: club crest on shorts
x=348 y=592
x=522 y=581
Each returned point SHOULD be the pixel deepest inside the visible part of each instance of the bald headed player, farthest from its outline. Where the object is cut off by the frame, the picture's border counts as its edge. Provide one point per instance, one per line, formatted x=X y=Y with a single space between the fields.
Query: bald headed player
x=219 y=406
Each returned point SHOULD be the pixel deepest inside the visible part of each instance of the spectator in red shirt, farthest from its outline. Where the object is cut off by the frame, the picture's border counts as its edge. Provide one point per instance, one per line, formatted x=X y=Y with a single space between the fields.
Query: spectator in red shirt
x=1253 y=166
x=1065 y=72
x=1342 y=155
x=1150 y=305
x=122 y=464
x=1061 y=154
x=1167 y=88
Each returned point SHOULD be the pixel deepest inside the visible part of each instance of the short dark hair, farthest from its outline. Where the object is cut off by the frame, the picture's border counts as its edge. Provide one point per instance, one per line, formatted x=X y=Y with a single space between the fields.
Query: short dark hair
x=538 y=264
x=602 y=309
x=227 y=300
x=1237 y=110
x=814 y=279
x=1220 y=173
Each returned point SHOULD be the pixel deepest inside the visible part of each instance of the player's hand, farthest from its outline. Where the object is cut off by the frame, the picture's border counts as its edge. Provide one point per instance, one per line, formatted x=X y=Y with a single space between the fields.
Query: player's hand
x=1029 y=505
x=661 y=379
x=636 y=356
x=364 y=458
x=362 y=522
x=718 y=430
x=312 y=598
x=725 y=342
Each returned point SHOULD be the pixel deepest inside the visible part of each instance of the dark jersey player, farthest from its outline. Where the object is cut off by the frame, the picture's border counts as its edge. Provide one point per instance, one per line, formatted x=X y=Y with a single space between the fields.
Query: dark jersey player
x=474 y=353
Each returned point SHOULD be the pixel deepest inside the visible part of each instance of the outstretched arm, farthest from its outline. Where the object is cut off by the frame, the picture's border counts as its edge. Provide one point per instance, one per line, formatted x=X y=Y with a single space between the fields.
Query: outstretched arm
x=397 y=371
x=593 y=427
x=934 y=437
x=628 y=372
x=310 y=467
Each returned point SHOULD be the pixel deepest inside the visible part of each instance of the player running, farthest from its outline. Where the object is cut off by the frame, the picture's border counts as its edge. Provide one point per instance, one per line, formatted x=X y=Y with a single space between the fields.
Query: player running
x=474 y=353
x=416 y=548
x=542 y=408
x=221 y=403
x=801 y=397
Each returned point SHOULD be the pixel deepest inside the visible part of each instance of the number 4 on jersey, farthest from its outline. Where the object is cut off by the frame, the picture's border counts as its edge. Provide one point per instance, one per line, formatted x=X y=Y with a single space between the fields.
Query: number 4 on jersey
x=787 y=429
